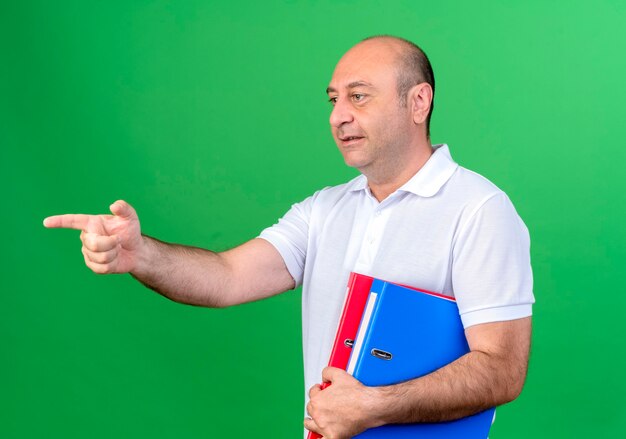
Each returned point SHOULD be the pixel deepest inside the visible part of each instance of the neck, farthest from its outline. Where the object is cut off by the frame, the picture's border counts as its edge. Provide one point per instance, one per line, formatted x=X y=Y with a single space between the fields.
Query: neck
x=383 y=182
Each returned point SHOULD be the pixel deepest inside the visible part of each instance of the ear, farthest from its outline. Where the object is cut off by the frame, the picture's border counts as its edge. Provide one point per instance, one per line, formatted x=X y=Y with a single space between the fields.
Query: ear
x=420 y=98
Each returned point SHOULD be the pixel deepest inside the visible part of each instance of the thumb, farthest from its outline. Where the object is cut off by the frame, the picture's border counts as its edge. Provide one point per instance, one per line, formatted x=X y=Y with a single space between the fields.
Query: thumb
x=122 y=209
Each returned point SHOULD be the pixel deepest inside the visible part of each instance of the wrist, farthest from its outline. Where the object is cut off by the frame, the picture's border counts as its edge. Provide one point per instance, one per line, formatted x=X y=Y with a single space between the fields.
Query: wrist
x=390 y=404
x=377 y=406
x=143 y=259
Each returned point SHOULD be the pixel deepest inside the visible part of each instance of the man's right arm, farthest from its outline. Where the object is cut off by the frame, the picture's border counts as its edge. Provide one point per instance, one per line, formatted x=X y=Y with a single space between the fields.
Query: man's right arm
x=114 y=244
x=254 y=270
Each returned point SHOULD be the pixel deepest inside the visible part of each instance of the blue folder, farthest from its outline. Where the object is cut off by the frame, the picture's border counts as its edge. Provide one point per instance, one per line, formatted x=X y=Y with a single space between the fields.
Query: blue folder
x=405 y=334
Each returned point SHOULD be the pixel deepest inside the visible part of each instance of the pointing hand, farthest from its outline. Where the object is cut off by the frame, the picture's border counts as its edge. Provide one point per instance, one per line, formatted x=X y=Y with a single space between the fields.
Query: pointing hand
x=111 y=243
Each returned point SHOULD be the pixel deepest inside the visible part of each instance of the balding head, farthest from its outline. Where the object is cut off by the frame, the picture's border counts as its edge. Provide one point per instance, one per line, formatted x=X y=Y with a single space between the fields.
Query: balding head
x=412 y=64
x=381 y=106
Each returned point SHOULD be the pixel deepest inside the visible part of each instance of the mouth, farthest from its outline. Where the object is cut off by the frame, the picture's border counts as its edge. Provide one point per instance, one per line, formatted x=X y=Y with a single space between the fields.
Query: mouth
x=350 y=140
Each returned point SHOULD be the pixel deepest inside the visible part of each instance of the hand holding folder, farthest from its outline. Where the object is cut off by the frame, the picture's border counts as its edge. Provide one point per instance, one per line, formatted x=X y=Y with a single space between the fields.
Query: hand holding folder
x=403 y=333
x=356 y=296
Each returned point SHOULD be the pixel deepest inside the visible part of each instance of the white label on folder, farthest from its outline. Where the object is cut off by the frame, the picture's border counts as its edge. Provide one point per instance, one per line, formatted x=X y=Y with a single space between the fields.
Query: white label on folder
x=365 y=322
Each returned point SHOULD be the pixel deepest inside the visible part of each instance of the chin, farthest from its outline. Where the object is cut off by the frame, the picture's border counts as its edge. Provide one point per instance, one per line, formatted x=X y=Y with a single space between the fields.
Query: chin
x=353 y=161
x=356 y=156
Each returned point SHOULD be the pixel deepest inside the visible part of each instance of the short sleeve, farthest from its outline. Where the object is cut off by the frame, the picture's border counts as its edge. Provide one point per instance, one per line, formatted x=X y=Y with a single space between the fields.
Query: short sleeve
x=290 y=237
x=491 y=272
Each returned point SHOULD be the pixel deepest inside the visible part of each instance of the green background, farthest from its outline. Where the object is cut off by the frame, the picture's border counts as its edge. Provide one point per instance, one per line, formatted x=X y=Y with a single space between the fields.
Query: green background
x=211 y=119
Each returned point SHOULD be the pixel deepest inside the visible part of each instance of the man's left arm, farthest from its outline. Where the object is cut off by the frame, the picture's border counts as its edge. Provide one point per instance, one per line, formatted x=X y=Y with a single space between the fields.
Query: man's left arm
x=491 y=374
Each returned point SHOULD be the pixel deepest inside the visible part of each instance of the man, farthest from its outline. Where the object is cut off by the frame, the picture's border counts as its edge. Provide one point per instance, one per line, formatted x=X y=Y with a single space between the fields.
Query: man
x=413 y=217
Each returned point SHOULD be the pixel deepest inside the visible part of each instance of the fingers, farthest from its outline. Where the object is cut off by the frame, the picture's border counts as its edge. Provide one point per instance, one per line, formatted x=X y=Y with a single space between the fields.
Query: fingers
x=314 y=390
x=330 y=374
x=98 y=243
x=309 y=408
x=80 y=222
x=70 y=221
x=100 y=257
x=104 y=268
x=107 y=264
x=100 y=235
x=310 y=425
x=122 y=209
x=100 y=252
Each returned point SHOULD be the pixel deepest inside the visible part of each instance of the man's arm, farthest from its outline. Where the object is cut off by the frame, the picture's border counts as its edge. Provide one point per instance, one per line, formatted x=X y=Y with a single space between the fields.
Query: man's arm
x=114 y=244
x=491 y=374
x=254 y=270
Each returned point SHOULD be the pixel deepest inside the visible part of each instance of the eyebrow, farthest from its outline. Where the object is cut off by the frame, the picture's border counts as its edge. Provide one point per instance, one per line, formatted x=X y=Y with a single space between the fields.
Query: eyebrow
x=351 y=85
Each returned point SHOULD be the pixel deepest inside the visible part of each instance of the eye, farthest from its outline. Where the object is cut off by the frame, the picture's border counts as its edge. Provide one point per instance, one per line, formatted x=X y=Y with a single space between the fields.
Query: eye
x=358 y=97
x=333 y=100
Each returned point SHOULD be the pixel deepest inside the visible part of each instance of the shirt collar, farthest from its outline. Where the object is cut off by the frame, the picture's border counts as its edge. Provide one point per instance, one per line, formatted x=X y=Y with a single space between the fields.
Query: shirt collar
x=429 y=179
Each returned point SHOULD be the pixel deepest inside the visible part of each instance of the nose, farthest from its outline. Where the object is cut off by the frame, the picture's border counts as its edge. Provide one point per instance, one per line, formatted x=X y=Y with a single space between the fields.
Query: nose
x=341 y=113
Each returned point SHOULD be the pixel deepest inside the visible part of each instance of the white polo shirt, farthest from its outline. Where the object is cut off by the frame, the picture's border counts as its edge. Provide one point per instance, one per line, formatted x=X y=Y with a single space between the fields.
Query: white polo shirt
x=446 y=230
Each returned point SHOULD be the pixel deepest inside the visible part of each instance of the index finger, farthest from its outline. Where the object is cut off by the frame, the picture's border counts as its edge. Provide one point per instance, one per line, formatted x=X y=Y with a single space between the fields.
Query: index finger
x=69 y=221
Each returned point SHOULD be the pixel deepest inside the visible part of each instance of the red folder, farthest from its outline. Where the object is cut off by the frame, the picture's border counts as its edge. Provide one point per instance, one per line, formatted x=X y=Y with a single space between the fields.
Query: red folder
x=356 y=297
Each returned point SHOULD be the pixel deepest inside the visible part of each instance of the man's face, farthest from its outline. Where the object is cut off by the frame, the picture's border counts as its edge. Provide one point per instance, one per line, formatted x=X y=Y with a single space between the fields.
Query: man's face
x=368 y=123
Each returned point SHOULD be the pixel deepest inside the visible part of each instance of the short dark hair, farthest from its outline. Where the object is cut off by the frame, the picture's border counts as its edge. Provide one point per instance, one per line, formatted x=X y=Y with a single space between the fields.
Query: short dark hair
x=414 y=68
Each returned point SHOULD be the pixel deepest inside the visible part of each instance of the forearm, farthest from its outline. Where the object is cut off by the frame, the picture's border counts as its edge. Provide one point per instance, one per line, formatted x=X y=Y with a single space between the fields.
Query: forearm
x=184 y=274
x=492 y=374
x=467 y=386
